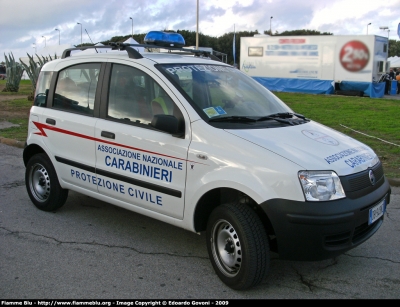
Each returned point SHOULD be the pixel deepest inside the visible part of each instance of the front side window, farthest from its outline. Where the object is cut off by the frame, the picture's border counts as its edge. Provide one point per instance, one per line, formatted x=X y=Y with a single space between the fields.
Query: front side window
x=76 y=88
x=135 y=97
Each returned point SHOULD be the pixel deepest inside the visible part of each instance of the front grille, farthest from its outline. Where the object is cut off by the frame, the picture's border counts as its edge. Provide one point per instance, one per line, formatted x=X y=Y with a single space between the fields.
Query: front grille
x=358 y=185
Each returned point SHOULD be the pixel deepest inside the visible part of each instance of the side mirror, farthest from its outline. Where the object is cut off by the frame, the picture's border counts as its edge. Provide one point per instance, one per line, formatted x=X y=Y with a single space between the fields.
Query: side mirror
x=166 y=123
x=40 y=99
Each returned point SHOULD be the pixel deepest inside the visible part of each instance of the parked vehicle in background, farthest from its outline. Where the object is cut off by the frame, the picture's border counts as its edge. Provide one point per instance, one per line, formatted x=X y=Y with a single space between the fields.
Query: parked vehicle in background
x=318 y=64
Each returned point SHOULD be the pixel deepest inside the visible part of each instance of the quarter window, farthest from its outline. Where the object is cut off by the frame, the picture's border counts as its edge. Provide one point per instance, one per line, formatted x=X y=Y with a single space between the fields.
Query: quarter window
x=42 y=88
x=76 y=88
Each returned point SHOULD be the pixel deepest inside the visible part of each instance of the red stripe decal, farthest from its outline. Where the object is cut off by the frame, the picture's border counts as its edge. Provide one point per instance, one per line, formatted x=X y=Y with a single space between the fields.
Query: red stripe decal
x=42 y=127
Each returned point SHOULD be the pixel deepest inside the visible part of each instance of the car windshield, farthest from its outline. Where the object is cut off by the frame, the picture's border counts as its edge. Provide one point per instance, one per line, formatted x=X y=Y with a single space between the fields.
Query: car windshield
x=217 y=91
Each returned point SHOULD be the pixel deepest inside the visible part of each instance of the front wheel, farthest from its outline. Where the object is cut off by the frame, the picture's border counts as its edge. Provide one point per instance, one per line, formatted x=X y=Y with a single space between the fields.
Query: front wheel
x=42 y=184
x=238 y=246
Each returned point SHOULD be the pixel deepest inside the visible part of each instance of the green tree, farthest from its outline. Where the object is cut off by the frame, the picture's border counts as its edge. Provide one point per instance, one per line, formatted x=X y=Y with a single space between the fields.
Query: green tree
x=204 y=40
x=300 y=32
x=120 y=39
x=394 y=47
x=85 y=45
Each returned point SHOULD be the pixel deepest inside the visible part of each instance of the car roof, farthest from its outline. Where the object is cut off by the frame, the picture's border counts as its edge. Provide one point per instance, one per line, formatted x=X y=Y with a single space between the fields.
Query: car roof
x=155 y=57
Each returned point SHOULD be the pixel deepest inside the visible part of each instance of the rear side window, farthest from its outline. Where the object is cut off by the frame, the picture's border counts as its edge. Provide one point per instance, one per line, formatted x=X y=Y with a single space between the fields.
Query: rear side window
x=76 y=88
x=42 y=88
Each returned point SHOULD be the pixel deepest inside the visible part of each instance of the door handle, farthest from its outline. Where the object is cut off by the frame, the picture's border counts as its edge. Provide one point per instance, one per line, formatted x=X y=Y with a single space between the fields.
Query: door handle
x=108 y=135
x=51 y=121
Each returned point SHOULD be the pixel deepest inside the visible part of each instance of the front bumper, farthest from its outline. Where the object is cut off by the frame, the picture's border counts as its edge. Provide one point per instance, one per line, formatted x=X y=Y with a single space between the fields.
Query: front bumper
x=321 y=230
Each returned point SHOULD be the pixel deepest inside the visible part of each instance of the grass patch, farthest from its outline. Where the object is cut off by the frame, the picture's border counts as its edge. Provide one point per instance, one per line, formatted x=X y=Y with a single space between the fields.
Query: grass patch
x=16 y=104
x=14 y=108
x=16 y=133
x=25 y=88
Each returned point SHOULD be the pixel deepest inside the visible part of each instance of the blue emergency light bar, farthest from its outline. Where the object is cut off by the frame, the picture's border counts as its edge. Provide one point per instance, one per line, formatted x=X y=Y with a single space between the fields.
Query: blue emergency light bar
x=164 y=39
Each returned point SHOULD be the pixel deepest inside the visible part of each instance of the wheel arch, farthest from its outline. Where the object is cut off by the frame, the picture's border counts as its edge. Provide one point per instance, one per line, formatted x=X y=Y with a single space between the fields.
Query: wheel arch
x=216 y=197
x=30 y=151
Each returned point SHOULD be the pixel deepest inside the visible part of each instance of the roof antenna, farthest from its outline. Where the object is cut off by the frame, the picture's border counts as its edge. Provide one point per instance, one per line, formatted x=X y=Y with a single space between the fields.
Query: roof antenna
x=91 y=41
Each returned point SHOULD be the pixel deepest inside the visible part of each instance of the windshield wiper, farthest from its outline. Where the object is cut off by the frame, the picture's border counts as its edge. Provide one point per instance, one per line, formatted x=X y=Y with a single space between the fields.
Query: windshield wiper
x=281 y=120
x=281 y=117
x=231 y=119
x=286 y=115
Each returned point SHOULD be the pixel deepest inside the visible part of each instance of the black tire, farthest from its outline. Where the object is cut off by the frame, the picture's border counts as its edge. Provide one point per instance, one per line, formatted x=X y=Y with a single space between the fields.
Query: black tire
x=238 y=246
x=42 y=184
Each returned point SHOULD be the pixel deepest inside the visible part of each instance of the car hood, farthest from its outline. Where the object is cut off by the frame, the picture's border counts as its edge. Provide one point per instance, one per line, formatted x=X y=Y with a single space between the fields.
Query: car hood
x=313 y=147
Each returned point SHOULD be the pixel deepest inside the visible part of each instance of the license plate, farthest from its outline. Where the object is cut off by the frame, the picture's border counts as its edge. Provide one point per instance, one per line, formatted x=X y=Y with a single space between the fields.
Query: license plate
x=376 y=212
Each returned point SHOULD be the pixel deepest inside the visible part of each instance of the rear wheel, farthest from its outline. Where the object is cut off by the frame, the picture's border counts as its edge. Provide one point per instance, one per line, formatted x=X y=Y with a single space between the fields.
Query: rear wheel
x=42 y=184
x=238 y=246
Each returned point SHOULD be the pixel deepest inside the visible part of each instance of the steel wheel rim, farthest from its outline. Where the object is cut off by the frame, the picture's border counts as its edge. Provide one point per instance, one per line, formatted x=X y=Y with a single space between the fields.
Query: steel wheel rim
x=226 y=248
x=39 y=182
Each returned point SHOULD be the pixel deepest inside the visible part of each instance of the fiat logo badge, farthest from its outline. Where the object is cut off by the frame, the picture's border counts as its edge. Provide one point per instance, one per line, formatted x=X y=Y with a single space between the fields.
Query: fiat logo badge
x=371 y=177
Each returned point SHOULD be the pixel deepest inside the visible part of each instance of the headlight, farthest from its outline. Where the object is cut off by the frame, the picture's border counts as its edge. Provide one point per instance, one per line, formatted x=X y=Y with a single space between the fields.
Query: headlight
x=321 y=185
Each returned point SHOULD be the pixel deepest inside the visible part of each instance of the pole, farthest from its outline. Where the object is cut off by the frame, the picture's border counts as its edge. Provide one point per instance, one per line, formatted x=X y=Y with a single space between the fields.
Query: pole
x=132 y=25
x=44 y=41
x=270 y=21
x=78 y=23
x=58 y=35
x=388 y=41
x=197 y=26
x=234 y=46
x=367 y=27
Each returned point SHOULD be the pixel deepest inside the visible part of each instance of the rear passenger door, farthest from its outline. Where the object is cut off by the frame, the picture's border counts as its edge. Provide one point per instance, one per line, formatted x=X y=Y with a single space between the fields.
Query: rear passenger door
x=135 y=163
x=67 y=124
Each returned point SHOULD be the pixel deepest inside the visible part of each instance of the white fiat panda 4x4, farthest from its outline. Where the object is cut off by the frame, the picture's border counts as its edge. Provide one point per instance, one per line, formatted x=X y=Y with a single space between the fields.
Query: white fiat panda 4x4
x=196 y=143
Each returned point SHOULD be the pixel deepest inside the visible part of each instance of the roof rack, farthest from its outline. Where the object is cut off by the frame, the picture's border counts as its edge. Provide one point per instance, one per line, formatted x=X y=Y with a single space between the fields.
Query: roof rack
x=134 y=54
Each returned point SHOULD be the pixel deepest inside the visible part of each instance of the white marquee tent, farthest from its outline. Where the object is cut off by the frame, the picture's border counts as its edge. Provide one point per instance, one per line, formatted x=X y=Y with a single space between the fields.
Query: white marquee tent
x=132 y=41
x=48 y=51
x=394 y=61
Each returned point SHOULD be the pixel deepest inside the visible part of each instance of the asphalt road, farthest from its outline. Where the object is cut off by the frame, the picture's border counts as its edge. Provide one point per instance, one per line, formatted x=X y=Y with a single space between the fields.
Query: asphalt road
x=92 y=250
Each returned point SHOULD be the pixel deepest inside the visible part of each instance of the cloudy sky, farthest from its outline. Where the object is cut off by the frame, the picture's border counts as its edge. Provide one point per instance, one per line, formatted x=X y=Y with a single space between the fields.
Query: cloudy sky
x=28 y=23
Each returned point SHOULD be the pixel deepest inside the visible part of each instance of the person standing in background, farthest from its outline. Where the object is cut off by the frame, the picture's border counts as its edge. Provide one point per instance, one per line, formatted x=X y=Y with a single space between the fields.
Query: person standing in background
x=387 y=79
x=398 y=79
x=392 y=74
